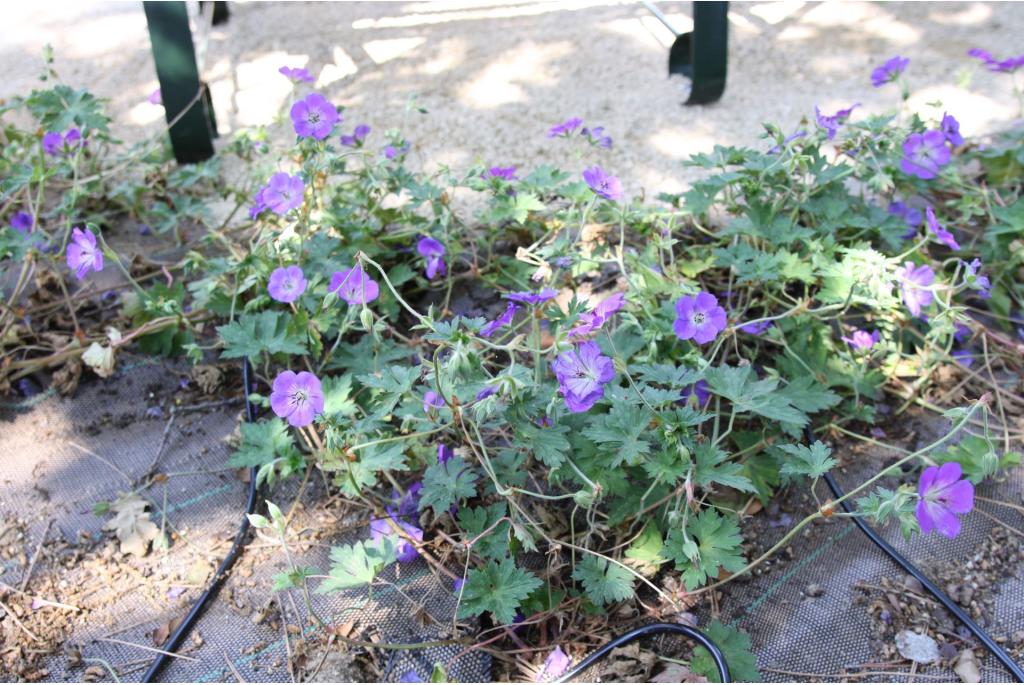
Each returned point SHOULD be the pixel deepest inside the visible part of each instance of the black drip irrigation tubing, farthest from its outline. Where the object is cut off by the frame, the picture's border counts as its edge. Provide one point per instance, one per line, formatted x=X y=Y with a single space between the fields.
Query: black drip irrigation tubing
x=984 y=638
x=646 y=631
x=222 y=571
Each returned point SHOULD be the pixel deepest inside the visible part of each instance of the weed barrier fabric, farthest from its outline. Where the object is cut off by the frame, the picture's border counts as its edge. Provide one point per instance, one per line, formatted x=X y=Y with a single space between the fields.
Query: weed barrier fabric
x=53 y=480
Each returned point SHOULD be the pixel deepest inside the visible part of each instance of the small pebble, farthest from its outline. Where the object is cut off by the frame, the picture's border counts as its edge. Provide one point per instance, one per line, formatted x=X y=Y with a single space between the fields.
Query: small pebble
x=814 y=590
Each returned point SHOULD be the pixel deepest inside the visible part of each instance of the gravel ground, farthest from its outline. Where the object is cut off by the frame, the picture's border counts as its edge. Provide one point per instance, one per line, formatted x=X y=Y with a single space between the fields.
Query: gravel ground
x=494 y=75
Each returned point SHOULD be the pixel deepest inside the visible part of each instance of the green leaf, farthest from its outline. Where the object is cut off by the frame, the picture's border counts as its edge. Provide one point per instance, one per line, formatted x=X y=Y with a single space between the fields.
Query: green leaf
x=759 y=397
x=604 y=582
x=807 y=395
x=883 y=504
x=253 y=334
x=978 y=458
x=358 y=564
x=713 y=466
x=61 y=107
x=262 y=443
x=338 y=396
x=645 y=553
x=475 y=520
x=735 y=647
x=447 y=484
x=499 y=588
x=370 y=461
x=390 y=385
x=618 y=433
x=712 y=543
x=547 y=444
x=814 y=461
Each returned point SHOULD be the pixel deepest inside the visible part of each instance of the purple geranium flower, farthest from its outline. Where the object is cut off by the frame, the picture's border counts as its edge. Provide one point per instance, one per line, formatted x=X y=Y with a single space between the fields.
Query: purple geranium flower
x=595 y=136
x=950 y=128
x=699 y=391
x=978 y=280
x=408 y=504
x=911 y=215
x=296 y=74
x=457 y=585
x=486 y=392
x=786 y=141
x=832 y=123
x=507 y=173
x=354 y=286
x=432 y=251
x=941 y=234
x=410 y=677
x=699 y=317
x=943 y=496
x=283 y=192
x=924 y=154
x=22 y=222
x=757 y=328
x=889 y=72
x=555 y=665
x=297 y=397
x=357 y=137
x=914 y=286
x=1006 y=66
x=56 y=144
x=156 y=98
x=390 y=151
x=83 y=253
x=965 y=356
x=607 y=186
x=862 y=340
x=961 y=332
x=314 y=117
x=431 y=400
x=526 y=297
x=259 y=205
x=591 y=322
x=286 y=283
x=405 y=551
x=492 y=327
x=581 y=375
x=565 y=129
x=444 y=453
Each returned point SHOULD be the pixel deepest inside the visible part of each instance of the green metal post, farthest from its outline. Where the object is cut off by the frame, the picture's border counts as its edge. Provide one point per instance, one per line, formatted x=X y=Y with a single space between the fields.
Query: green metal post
x=186 y=99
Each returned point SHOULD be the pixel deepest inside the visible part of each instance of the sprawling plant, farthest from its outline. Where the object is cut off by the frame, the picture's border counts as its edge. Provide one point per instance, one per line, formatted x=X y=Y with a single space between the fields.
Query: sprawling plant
x=569 y=371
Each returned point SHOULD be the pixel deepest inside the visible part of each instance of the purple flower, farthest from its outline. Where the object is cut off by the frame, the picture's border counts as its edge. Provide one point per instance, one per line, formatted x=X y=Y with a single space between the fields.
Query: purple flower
x=297 y=397
x=565 y=129
x=1005 y=66
x=595 y=136
x=283 y=192
x=699 y=318
x=286 y=283
x=914 y=283
x=786 y=141
x=526 y=297
x=408 y=504
x=296 y=74
x=943 y=496
x=22 y=222
x=950 y=128
x=889 y=72
x=259 y=205
x=405 y=551
x=941 y=234
x=581 y=375
x=591 y=322
x=832 y=123
x=507 y=173
x=354 y=286
x=457 y=585
x=962 y=332
x=433 y=252
x=357 y=137
x=699 y=391
x=431 y=400
x=155 y=98
x=486 y=392
x=977 y=280
x=314 y=117
x=555 y=665
x=83 y=253
x=410 y=677
x=56 y=144
x=390 y=151
x=444 y=453
x=924 y=154
x=911 y=216
x=862 y=340
x=607 y=186
x=965 y=356
x=757 y=328
x=492 y=327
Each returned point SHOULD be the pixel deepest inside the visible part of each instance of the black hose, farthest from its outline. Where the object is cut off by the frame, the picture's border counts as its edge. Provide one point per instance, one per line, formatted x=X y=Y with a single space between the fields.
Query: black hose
x=644 y=631
x=951 y=606
x=222 y=571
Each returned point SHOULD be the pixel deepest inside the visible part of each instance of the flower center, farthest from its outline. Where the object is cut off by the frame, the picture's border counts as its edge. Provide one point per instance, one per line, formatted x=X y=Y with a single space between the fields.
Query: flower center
x=299 y=397
x=288 y=285
x=698 y=318
x=313 y=118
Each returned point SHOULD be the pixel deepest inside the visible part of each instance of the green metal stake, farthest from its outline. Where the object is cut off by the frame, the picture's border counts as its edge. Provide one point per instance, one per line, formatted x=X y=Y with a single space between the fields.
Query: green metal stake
x=186 y=99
